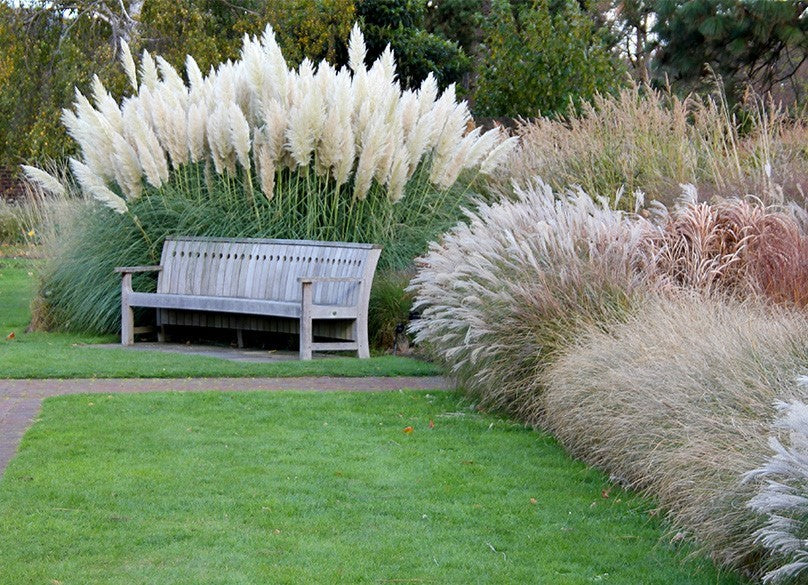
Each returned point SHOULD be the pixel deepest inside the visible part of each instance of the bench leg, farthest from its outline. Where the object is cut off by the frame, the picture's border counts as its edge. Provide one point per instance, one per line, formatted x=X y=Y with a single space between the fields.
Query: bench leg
x=305 y=323
x=127 y=315
x=363 y=351
x=127 y=325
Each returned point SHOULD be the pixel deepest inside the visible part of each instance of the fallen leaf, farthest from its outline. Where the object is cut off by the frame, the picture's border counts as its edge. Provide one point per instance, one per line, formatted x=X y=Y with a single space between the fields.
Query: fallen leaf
x=10 y=336
x=431 y=424
x=533 y=501
x=605 y=493
x=408 y=430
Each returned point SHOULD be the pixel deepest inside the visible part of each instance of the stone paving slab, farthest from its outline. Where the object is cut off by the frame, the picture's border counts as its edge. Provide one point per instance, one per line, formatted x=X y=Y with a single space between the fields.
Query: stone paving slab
x=20 y=400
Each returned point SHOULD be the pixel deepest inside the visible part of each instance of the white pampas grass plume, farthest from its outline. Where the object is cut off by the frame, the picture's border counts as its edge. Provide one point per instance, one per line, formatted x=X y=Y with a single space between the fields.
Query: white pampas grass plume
x=257 y=72
x=170 y=124
x=197 y=132
x=172 y=79
x=240 y=135
x=94 y=186
x=447 y=170
x=338 y=146
x=482 y=147
x=219 y=140
x=265 y=165
x=150 y=153
x=106 y=105
x=455 y=122
x=148 y=71
x=85 y=135
x=357 y=51
x=306 y=122
x=408 y=112
x=277 y=69
x=388 y=64
x=498 y=155
x=399 y=174
x=374 y=144
x=195 y=79
x=128 y=64
x=128 y=172
x=46 y=181
x=275 y=128
x=94 y=136
x=421 y=137
x=427 y=94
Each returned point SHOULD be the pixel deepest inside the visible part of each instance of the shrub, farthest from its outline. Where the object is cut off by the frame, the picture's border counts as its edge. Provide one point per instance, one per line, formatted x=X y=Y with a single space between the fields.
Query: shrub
x=390 y=307
x=501 y=296
x=12 y=230
x=653 y=141
x=257 y=149
x=678 y=401
x=538 y=58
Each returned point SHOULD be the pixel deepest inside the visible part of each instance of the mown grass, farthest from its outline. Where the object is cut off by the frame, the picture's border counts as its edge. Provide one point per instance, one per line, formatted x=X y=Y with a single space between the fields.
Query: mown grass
x=222 y=488
x=67 y=355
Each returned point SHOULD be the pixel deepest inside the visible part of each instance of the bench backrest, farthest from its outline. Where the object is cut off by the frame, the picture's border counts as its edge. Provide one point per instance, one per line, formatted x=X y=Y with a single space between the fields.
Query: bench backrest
x=266 y=269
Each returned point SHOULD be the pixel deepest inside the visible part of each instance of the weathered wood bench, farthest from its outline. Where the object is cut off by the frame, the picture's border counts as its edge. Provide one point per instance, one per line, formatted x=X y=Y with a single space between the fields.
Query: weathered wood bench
x=302 y=282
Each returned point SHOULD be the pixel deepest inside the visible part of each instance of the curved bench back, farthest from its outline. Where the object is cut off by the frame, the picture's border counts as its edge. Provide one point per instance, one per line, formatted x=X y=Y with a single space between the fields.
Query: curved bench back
x=266 y=269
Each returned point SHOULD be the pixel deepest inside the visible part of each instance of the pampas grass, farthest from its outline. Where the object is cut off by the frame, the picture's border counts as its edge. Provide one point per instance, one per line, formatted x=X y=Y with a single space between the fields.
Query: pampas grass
x=333 y=121
x=678 y=402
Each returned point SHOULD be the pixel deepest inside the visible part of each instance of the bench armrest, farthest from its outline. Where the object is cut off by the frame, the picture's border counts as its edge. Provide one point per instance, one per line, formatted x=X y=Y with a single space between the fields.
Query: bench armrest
x=313 y=279
x=134 y=269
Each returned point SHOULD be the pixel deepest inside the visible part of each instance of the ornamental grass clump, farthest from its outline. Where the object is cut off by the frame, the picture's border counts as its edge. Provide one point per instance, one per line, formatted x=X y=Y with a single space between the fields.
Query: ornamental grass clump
x=733 y=246
x=653 y=141
x=678 y=401
x=502 y=294
x=255 y=148
x=783 y=494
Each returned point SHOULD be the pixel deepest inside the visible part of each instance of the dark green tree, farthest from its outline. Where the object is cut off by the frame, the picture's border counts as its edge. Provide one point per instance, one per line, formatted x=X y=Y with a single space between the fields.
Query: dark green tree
x=761 y=42
x=456 y=20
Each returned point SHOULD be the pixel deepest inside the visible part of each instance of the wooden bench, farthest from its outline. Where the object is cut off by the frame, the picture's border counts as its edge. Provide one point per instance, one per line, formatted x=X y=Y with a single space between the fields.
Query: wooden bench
x=302 y=282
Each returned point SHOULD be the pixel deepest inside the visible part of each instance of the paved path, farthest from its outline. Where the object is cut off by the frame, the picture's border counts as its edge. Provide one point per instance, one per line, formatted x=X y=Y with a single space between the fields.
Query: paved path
x=20 y=399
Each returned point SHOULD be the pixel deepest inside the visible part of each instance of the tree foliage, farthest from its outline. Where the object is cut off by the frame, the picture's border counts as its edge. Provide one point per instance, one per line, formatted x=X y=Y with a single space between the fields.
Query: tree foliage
x=400 y=23
x=757 y=41
x=539 y=58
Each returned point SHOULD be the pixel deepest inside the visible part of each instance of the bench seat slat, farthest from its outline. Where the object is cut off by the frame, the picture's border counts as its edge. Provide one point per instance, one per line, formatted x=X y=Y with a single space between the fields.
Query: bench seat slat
x=237 y=305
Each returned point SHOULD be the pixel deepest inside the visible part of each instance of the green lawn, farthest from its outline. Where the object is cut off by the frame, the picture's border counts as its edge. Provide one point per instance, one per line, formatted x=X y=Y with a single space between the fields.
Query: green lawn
x=177 y=488
x=62 y=355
